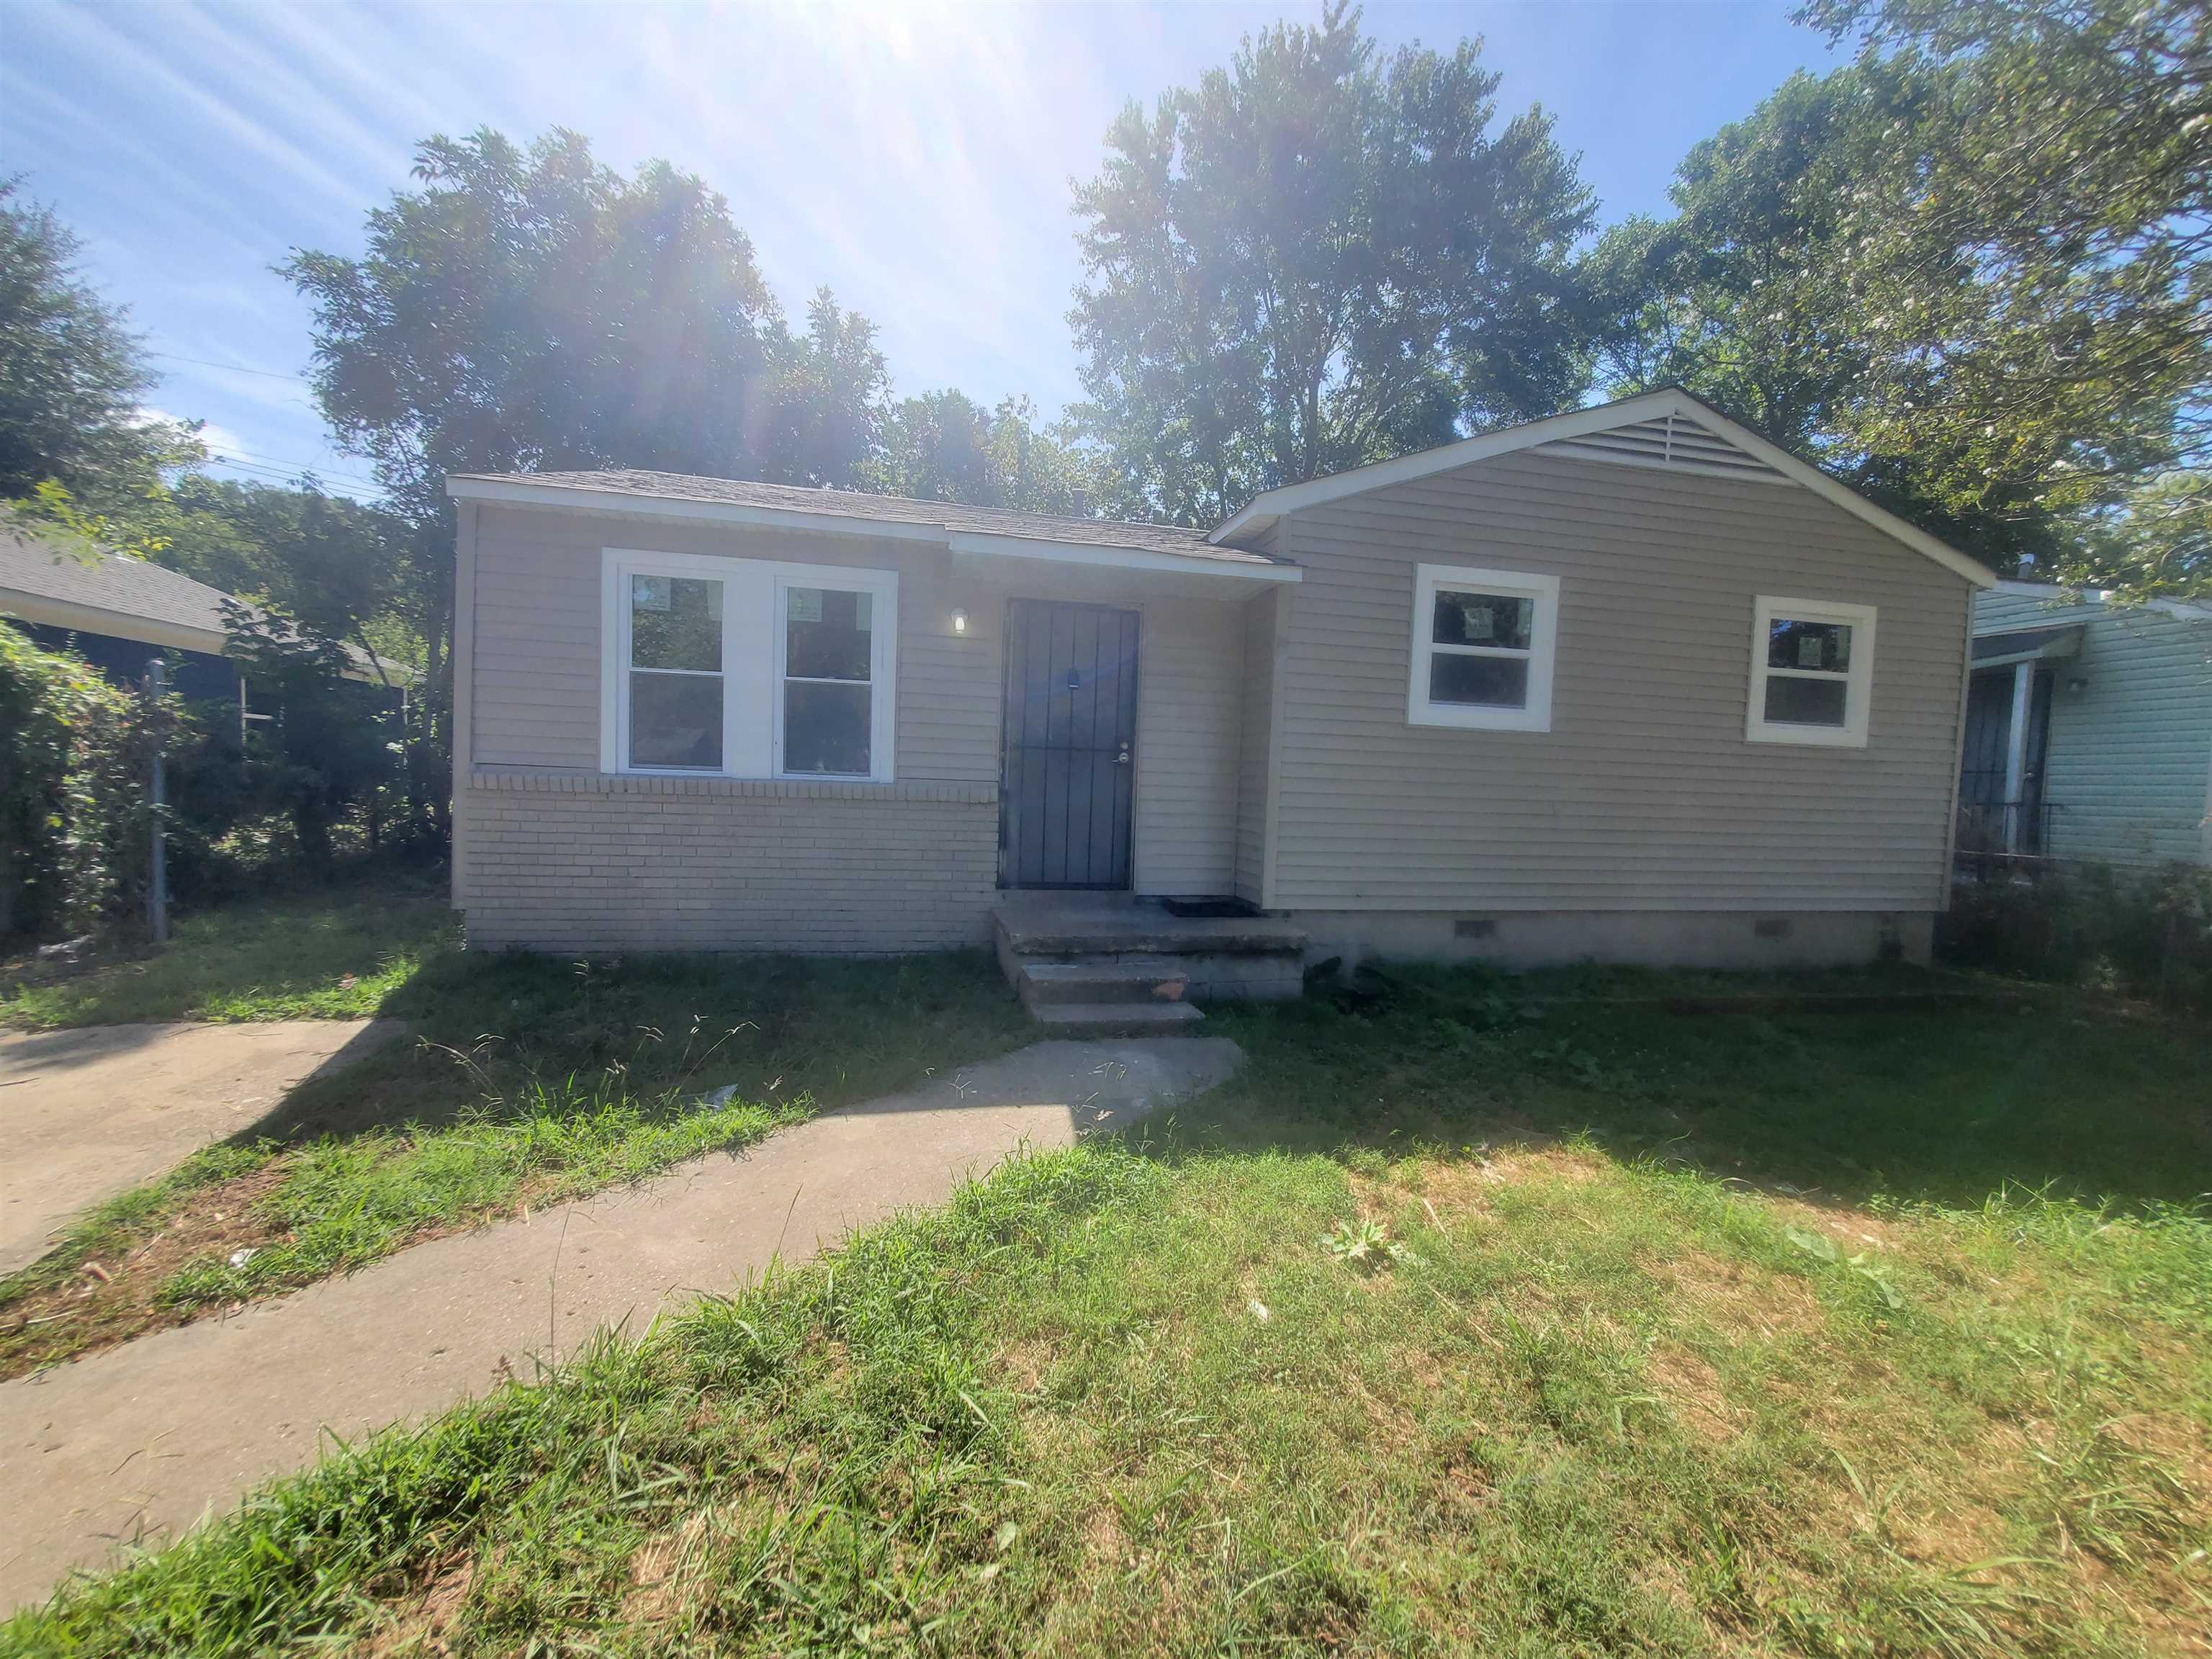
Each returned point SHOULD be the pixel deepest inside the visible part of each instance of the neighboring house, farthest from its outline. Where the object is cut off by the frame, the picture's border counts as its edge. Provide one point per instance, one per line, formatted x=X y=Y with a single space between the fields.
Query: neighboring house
x=1605 y=685
x=119 y=613
x=2088 y=728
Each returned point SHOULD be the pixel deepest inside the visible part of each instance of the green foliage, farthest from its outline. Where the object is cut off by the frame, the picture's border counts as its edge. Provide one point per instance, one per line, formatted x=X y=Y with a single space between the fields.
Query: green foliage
x=73 y=824
x=1970 y=272
x=463 y=339
x=1315 y=259
x=71 y=372
x=2147 y=932
x=331 y=746
x=942 y=447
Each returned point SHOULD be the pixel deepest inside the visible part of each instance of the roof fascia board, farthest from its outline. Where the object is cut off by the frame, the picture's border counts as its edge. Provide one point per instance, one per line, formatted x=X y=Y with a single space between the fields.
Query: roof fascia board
x=507 y=492
x=114 y=624
x=1578 y=422
x=510 y=492
x=1118 y=558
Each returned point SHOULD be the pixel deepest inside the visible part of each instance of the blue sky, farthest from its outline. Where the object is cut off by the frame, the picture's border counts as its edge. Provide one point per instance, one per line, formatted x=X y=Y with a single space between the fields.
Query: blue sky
x=916 y=159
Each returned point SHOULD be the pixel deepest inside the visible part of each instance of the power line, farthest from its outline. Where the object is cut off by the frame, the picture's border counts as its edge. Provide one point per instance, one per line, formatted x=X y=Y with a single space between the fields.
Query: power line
x=258 y=473
x=316 y=467
x=234 y=368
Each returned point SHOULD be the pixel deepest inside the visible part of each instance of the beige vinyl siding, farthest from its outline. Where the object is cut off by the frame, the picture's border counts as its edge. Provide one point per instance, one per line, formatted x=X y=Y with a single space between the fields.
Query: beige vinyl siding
x=2128 y=764
x=1189 y=712
x=1645 y=794
x=1255 y=758
x=744 y=866
x=538 y=639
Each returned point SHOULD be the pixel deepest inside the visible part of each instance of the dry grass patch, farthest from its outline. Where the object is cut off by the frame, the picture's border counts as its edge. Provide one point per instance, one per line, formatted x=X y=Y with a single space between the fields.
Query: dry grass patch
x=114 y=1293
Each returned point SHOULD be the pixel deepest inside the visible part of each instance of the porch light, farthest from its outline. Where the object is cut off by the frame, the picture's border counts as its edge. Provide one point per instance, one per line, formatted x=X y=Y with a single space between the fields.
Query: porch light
x=959 y=622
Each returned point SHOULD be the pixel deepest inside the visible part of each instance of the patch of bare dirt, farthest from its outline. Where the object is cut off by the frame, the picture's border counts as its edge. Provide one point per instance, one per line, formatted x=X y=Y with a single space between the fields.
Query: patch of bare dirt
x=419 y=1627
x=1736 y=1298
x=1693 y=1393
x=111 y=1299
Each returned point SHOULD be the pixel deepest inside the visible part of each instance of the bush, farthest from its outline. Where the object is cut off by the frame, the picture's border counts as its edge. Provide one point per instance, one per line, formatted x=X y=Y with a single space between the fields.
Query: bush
x=73 y=820
x=2146 y=931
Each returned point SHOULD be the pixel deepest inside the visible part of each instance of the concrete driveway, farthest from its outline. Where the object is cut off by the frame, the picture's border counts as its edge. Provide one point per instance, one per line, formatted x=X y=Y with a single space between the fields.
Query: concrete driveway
x=87 y=1114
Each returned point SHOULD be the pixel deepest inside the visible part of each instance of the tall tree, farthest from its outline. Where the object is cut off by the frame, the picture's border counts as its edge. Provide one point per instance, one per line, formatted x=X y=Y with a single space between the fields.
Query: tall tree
x=1313 y=260
x=72 y=374
x=528 y=309
x=944 y=446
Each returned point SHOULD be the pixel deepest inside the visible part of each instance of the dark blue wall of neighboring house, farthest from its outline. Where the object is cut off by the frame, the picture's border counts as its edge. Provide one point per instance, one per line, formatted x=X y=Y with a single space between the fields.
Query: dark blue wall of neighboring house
x=195 y=675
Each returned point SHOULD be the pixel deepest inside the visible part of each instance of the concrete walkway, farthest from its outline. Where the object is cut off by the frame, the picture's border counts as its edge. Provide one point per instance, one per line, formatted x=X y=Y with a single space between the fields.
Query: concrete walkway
x=156 y=1433
x=87 y=1114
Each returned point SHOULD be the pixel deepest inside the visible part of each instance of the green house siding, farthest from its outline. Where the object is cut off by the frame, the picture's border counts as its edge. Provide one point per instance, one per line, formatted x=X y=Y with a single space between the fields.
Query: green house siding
x=2128 y=767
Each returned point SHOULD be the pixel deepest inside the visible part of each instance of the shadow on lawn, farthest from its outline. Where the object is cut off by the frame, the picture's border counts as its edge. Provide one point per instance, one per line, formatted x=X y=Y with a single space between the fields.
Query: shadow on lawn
x=485 y=1031
x=1945 y=1105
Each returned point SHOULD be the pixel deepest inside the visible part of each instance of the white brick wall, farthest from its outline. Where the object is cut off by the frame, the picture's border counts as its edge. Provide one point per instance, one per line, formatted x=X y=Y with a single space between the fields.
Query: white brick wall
x=582 y=861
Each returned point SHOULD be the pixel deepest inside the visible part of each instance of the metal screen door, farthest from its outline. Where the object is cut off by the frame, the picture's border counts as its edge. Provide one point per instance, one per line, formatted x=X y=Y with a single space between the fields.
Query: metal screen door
x=1069 y=764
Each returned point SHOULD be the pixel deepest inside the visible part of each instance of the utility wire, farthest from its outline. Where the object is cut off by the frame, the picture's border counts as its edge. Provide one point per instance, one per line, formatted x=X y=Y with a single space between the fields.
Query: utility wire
x=234 y=368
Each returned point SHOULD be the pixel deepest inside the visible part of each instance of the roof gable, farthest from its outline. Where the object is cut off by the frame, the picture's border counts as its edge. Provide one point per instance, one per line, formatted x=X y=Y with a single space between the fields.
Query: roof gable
x=1668 y=430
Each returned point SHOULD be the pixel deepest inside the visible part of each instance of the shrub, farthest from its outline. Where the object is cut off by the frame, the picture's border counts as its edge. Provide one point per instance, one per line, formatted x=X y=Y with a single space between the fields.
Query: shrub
x=2150 y=931
x=73 y=821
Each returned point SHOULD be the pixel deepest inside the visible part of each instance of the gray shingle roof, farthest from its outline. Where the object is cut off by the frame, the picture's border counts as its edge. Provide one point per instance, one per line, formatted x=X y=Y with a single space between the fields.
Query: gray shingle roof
x=891 y=510
x=130 y=587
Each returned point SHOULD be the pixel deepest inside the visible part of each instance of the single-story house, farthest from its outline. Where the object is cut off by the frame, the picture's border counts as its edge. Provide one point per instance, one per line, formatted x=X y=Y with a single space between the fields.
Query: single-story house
x=1630 y=683
x=2088 y=728
x=119 y=613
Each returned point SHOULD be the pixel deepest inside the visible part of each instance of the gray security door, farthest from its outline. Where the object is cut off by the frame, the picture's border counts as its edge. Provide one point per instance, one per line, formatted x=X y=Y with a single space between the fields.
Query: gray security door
x=1070 y=731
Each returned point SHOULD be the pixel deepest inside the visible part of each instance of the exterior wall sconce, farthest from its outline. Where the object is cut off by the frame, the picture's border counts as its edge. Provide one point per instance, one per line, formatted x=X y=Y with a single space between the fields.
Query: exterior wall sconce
x=959 y=622
x=2077 y=685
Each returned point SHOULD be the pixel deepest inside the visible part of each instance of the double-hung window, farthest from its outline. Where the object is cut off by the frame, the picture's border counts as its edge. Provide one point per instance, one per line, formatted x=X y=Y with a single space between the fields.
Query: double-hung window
x=826 y=673
x=1812 y=673
x=747 y=668
x=675 y=669
x=1483 y=646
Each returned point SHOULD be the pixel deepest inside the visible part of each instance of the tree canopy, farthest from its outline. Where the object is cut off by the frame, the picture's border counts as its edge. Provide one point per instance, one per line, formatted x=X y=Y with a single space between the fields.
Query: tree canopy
x=1968 y=271
x=73 y=377
x=531 y=308
x=944 y=446
x=1315 y=258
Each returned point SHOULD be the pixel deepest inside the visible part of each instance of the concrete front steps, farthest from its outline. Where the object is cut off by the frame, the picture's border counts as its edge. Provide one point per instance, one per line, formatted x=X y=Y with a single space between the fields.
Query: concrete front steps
x=1106 y=963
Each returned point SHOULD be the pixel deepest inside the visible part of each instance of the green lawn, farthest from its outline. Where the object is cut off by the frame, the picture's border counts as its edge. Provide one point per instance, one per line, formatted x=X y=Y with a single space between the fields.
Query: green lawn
x=522 y=1080
x=1442 y=1329
x=318 y=955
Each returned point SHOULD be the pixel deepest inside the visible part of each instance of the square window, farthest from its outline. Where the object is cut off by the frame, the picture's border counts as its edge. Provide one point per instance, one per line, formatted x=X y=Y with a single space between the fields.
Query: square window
x=1482 y=648
x=1812 y=673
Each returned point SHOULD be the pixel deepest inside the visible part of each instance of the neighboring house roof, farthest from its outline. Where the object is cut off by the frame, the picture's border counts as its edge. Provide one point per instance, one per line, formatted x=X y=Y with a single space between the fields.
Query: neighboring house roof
x=2053 y=593
x=1668 y=429
x=979 y=530
x=127 y=599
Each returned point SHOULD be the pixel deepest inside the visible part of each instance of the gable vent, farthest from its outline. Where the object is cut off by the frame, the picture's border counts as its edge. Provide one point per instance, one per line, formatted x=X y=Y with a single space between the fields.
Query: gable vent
x=1672 y=442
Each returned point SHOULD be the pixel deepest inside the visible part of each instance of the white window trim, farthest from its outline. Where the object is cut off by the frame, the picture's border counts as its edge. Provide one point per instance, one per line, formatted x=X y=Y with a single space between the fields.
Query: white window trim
x=742 y=644
x=1535 y=715
x=1858 y=682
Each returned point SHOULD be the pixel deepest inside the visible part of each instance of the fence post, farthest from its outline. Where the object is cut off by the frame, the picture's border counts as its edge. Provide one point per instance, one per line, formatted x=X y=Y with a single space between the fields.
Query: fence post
x=157 y=884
